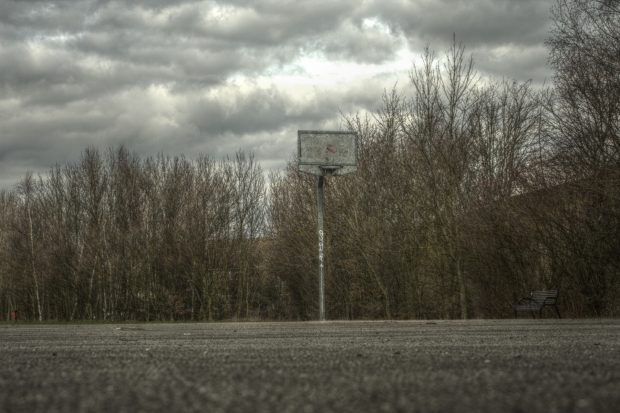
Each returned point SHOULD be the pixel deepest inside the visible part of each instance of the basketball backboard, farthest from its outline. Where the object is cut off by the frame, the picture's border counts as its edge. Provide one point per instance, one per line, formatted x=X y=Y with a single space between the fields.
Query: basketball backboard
x=327 y=152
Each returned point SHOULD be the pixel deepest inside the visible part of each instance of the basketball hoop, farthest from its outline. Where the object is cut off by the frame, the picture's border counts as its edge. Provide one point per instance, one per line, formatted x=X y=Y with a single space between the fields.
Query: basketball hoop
x=325 y=153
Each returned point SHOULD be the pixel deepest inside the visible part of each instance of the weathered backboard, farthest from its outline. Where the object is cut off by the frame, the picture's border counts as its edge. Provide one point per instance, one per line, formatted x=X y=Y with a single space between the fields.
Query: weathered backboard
x=327 y=152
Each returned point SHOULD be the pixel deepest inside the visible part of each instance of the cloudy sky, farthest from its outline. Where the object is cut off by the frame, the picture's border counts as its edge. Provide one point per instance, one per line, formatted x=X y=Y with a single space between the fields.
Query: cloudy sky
x=184 y=77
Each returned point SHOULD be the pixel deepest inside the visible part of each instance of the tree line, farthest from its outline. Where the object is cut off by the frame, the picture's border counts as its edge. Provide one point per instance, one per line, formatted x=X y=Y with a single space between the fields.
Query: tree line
x=468 y=194
x=116 y=237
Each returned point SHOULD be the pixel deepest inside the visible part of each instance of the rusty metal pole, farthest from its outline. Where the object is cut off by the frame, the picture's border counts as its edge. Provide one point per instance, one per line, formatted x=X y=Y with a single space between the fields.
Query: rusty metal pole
x=321 y=211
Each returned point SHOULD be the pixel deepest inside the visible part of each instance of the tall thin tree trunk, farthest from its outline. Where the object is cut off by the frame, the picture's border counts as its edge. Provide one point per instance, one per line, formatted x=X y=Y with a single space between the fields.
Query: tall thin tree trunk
x=33 y=268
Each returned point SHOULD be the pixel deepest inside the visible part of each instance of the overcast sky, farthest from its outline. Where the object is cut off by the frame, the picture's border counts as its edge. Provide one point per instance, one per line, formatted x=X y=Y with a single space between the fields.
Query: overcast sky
x=183 y=77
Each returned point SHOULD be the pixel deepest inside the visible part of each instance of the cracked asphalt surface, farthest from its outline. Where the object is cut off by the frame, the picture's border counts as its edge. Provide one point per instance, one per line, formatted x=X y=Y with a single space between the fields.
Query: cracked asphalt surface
x=384 y=366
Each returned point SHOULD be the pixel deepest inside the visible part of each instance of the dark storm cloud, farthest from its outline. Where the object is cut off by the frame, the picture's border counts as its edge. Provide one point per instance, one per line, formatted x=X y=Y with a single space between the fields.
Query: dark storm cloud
x=262 y=110
x=475 y=22
x=157 y=75
x=506 y=37
x=270 y=110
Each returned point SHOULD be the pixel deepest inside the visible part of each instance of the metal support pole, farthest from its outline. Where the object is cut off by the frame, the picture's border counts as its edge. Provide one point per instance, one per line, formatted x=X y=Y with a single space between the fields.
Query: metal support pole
x=321 y=210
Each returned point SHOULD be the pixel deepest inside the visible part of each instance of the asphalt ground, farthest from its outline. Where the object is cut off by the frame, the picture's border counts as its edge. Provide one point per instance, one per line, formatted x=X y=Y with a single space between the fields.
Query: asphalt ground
x=418 y=366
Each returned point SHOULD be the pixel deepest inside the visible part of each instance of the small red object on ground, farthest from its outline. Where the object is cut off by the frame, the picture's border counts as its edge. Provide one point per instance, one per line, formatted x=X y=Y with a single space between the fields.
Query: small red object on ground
x=14 y=315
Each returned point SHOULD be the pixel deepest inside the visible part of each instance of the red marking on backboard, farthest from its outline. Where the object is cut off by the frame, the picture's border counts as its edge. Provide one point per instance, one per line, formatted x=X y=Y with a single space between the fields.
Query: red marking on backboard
x=330 y=149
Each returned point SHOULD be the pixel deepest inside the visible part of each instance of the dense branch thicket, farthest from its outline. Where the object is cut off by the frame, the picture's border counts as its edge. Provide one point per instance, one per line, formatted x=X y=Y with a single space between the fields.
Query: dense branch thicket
x=114 y=237
x=468 y=195
x=437 y=180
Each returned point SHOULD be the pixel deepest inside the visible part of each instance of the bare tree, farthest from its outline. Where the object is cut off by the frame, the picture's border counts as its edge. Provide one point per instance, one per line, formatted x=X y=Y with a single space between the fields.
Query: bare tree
x=585 y=53
x=439 y=129
x=585 y=139
x=8 y=293
x=28 y=227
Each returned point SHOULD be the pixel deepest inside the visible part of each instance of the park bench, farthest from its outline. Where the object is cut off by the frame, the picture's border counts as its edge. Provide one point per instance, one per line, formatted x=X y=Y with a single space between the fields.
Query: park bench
x=537 y=301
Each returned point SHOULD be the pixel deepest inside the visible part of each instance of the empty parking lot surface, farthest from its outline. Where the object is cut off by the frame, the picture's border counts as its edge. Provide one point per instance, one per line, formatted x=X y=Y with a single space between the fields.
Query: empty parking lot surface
x=478 y=365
